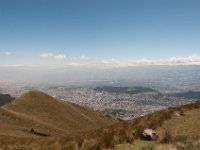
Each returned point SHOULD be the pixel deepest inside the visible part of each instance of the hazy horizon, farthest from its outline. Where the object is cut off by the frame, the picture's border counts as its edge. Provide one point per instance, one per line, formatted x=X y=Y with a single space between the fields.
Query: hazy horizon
x=90 y=43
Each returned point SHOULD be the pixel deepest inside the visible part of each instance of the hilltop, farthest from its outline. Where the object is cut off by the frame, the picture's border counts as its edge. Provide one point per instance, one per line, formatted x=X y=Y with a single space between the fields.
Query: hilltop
x=48 y=115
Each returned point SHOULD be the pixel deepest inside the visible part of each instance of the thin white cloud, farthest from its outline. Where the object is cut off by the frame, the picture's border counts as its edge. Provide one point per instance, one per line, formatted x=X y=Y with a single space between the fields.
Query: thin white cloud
x=188 y=60
x=113 y=62
x=14 y=65
x=51 y=55
x=46 y=55
x=74 y=64
x=59 y=56
x=81 y=57
x=8 y=53
x=62 y=56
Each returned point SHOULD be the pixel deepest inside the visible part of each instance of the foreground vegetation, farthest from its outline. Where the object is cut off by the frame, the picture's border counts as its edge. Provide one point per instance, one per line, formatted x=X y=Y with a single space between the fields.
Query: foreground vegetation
x=174 y=134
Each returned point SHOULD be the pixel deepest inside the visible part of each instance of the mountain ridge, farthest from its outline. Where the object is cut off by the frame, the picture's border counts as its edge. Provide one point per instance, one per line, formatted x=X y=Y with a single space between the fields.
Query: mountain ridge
x=125 y=89
x=188 y=94
x=53 y=114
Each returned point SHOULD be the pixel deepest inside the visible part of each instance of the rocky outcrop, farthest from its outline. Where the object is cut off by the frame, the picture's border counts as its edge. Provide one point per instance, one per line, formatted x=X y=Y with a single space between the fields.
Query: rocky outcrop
x=149 y=134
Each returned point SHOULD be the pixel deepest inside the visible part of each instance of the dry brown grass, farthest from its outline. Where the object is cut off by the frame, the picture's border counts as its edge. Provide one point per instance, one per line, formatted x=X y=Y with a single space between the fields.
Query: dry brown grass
x=167 y=138
x=94 y=139
x=187 y=125
x=42 y=112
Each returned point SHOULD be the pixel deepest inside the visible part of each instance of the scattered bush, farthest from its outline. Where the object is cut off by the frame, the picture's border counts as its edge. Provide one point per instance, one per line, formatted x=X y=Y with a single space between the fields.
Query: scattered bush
x=197 y=137
x=167 y=138
x=189 y=147
x=181 y=138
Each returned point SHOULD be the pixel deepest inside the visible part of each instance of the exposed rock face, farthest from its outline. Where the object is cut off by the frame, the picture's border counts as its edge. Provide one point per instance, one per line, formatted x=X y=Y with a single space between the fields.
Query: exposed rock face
x=149 y=134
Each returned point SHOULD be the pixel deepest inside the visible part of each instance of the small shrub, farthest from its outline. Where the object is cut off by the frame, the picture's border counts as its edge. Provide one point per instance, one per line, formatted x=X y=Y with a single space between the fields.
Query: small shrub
x=181 y=138
x=119 y=119
x=197 y=137
x=189 y=147
x=167 y=136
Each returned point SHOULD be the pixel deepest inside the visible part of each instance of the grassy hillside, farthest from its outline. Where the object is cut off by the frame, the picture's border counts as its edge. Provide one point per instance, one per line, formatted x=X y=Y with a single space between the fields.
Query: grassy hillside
x=48 y=115
x=184 y=131
x=121 y=135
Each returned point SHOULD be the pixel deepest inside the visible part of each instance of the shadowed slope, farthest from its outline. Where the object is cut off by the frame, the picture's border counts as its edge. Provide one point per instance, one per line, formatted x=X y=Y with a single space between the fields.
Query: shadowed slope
x=52 y=115
x=5 y=98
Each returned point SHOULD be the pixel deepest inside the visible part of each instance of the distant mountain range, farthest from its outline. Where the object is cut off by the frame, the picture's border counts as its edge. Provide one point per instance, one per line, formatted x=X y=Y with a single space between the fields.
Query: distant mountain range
x=189 y=94
x=126 y=90
x=138 y=89
x=5 y=98
x=162 y=78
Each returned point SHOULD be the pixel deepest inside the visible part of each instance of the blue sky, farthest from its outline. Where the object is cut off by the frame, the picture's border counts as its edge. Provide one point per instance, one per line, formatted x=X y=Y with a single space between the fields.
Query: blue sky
x=47 y=32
